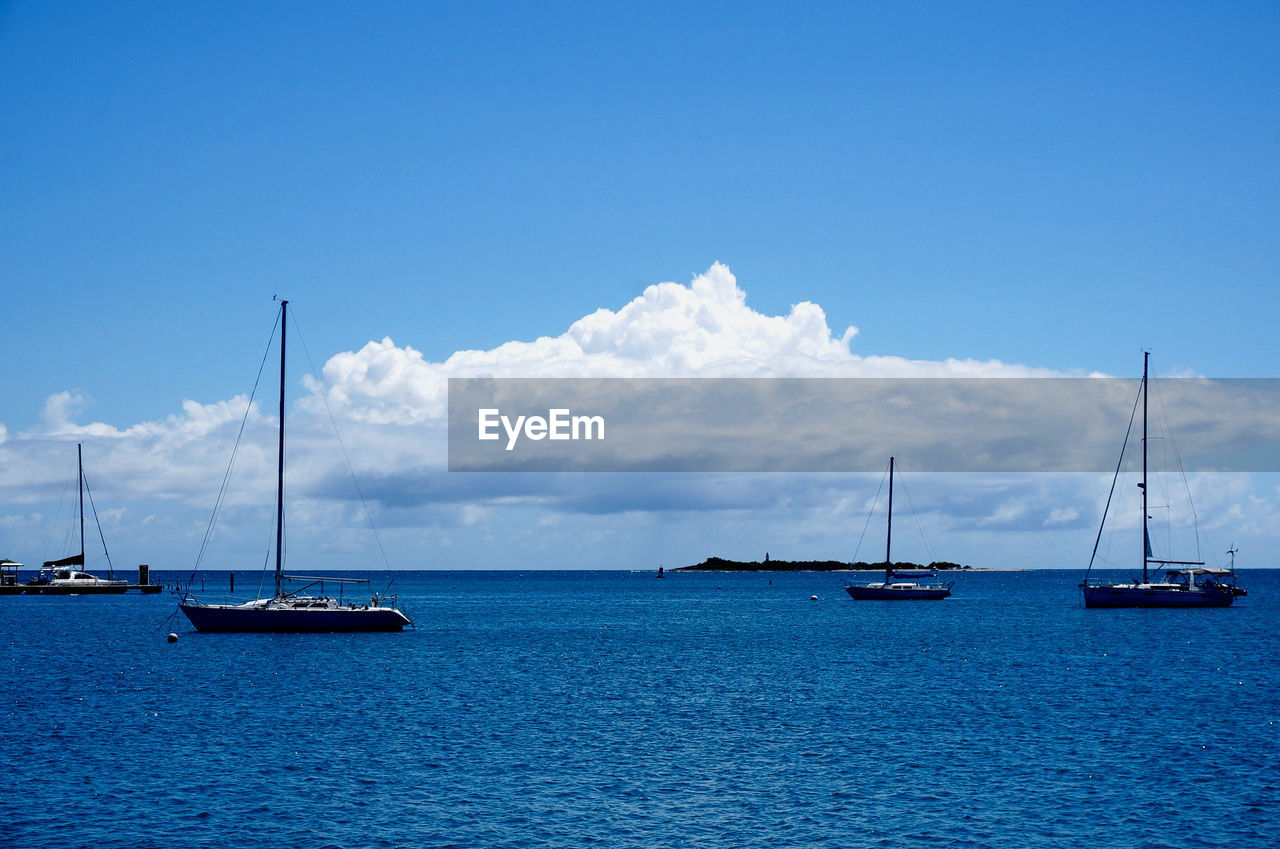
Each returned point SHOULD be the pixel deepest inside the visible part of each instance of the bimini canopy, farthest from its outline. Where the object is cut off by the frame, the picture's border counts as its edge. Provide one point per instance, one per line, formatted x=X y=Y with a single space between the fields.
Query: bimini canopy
x=913 y=573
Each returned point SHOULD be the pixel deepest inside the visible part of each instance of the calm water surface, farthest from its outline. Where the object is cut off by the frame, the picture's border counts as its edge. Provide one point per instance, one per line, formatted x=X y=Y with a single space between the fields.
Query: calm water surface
x=608 y=708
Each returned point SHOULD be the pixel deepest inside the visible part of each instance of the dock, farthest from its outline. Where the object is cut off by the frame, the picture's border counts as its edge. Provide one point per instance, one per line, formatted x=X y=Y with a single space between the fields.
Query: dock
x=44 y=589
x=10 y=585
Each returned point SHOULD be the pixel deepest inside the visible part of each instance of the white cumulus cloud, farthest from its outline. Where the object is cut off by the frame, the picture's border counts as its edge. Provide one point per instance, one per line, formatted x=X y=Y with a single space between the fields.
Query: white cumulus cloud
x=702 y=329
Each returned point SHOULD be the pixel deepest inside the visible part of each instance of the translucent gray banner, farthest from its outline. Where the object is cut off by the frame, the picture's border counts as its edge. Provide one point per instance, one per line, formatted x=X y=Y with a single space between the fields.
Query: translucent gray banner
x=854 y=424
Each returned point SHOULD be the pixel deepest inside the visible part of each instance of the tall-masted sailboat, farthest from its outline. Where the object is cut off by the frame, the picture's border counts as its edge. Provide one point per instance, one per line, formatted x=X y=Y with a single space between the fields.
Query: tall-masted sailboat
x=1190 y=586
x=57 y=577
x=289 y=611
x=893 y=587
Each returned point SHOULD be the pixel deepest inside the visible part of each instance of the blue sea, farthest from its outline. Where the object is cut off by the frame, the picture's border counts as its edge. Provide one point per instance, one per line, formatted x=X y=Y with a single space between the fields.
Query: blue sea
x=608 y=708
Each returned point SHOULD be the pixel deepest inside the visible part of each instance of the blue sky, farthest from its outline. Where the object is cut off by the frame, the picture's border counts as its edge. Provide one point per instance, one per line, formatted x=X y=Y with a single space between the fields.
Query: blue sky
x=1056 y=187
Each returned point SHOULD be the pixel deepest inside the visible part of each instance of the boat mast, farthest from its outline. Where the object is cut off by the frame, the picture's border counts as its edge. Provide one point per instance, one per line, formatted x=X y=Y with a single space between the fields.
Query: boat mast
x=1146 y=545
x=888 y=541
x=284 y=325
x=80 y=470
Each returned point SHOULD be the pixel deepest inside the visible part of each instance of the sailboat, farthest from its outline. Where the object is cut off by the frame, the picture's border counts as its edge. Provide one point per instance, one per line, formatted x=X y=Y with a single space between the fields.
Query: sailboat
x=895 y=587
x=59 y=577
x=1190 y=586
x=292 y=612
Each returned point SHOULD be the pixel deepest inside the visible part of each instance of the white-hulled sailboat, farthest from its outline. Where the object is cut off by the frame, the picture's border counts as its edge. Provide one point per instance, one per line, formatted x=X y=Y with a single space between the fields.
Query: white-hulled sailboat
x=292 y=612
x=1178 y=587
x=59 y=577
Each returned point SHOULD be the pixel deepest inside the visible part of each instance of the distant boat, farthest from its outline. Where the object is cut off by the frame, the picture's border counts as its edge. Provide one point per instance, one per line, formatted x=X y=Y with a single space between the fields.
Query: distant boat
x=73 y=582
x=290 y=612
x=57 y=578
x=895 y=587
x=1177 y=587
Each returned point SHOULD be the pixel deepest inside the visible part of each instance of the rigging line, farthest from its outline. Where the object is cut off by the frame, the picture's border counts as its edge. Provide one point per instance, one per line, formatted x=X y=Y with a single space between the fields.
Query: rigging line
x=1182 y=472
x=324 y=399
x=66 y=525
x=902 y=481
x=1161 y=477
x=1186 y=486
x=284 y=514
x=870 y=513
x=1116 y=477
x=1195 y=519
x=226 y=478
x=111 y=572
x=266 y=561
x=58 y=522
x=266 y=557
x=168 y=618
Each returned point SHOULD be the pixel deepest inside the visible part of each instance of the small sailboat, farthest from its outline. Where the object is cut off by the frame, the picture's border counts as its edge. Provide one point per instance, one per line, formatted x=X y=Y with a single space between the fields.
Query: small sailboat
x=59 y=577
x=1190 y=586
x=292 y=612
x=898 y=585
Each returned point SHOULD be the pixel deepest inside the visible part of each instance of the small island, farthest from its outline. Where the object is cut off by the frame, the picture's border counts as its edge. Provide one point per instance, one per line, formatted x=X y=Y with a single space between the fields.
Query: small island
x=719 y=564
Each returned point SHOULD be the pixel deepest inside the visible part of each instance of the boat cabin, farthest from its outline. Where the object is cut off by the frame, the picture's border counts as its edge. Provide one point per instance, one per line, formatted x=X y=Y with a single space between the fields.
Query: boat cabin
x=1198 y=577
x=69 y=575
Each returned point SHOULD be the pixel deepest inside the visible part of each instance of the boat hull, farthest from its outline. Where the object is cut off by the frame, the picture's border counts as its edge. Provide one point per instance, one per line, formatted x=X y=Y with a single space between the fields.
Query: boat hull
x=218 y=618
x=864 y=593
x=1111 y=596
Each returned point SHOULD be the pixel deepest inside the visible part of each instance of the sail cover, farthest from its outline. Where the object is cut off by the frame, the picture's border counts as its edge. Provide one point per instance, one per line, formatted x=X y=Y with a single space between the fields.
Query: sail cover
x=73 y=560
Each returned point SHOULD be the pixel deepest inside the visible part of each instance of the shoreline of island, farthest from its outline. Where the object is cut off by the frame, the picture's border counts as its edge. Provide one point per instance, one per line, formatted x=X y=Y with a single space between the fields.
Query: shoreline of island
x=720 y=564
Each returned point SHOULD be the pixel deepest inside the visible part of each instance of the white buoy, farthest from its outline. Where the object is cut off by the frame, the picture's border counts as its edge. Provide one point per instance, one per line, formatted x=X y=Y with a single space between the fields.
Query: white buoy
x=813 y=598
x=173 y=638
